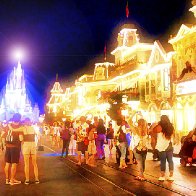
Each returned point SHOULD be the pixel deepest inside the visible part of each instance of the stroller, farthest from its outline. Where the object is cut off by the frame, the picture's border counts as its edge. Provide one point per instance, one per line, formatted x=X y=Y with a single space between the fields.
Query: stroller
x=188 y=151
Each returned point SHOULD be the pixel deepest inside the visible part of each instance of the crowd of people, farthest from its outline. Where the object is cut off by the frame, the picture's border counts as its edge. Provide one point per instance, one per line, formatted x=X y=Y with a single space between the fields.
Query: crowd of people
x=86 y=138
x=130 y=140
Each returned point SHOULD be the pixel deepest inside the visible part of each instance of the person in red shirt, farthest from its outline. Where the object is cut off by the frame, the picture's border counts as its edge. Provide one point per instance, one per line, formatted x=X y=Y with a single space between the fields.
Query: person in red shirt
x=11 y=136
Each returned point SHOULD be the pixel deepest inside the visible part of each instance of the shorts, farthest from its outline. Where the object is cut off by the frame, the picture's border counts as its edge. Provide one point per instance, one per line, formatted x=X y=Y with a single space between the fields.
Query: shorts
x=82 y=147
x=92 y=147
x=29 y=148
x=12 y=155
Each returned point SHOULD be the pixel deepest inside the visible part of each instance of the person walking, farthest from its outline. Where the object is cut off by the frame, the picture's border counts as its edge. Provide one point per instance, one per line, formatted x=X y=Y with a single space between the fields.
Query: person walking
x=29 y=150
x=165 y=132
x=11 y=136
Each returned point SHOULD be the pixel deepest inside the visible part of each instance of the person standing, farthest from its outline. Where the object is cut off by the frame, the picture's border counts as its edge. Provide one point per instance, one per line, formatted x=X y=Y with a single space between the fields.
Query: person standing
x=82 y=145
x=110 y=137
x=72 y=143
x=165 y=132
x=91 y=146
x=140 y=135
x=101 y=137
x=11 y=136
x=65 y=136
x=29 y=150
x=122 y=142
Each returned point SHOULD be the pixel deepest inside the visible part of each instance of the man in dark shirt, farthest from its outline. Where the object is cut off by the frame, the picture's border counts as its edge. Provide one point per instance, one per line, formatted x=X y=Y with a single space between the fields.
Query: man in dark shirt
x=11 y=135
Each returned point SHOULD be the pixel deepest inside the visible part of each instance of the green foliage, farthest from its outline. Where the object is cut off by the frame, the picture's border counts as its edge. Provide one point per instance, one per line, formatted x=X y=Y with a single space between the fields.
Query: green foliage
x=50 y=118
x=116 y=105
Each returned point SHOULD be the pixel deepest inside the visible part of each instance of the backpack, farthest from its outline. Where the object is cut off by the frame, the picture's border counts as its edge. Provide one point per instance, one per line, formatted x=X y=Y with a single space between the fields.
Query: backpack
x=65 y=134
x=11 y=138
x=122 y=136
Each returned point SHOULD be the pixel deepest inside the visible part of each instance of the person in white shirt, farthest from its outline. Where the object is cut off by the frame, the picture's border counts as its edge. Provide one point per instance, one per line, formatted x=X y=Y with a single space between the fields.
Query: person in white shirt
x=165 y=132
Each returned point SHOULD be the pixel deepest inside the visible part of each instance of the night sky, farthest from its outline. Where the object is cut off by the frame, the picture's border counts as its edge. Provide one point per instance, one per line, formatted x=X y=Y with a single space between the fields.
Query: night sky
x=68 y=37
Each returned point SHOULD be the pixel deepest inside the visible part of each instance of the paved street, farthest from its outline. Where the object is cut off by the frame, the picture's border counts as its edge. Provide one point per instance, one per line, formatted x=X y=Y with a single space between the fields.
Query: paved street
x=62 y=177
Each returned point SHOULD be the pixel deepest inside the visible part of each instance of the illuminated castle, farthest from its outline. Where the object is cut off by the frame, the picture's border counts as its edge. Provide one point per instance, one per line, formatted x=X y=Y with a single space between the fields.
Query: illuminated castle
x=15 y=99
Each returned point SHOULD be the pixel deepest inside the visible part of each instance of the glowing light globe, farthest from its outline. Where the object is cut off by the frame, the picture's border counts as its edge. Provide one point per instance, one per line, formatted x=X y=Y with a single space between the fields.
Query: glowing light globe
x=18 y=54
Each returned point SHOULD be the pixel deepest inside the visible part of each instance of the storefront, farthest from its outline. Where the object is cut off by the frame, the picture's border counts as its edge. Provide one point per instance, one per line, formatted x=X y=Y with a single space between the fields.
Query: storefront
x=185 y=106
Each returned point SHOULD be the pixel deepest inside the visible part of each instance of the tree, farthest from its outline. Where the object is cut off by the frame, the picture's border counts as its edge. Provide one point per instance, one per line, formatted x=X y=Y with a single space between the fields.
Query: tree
x=116 y=106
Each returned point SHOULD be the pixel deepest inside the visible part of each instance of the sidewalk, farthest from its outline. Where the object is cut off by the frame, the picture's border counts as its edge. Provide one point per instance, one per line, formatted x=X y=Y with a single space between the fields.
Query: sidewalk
x=184 y=177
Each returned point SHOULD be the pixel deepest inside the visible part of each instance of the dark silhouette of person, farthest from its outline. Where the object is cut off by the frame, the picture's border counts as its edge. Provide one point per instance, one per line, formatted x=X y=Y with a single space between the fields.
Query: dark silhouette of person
x=186 y=70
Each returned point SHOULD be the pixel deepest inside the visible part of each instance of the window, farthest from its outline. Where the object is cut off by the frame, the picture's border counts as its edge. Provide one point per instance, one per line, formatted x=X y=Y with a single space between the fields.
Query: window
x=153 y=91
x=166 y=78
x=147 y=87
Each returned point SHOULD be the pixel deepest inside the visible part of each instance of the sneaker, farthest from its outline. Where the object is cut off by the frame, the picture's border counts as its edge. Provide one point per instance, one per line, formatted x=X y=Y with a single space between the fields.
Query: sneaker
x=170 y=178
x=7 y=181
x=140 y=178
x=37 y=182
x=26 y=182
x=161 y=178
x=14 y=182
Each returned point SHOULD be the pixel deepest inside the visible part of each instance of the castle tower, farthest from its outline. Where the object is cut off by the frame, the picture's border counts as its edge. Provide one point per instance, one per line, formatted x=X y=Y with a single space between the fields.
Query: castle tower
x=14 y=97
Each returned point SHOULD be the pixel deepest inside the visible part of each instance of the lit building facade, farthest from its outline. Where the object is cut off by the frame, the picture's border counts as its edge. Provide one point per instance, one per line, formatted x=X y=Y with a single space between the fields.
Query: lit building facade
x=144 y=74
x=147 y=77
x=14 y=97
x=184 y=78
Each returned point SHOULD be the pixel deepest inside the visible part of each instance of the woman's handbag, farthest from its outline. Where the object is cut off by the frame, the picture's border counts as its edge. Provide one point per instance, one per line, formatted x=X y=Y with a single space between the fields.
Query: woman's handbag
x=142 y=151
x=170 y=147
x=140 y=148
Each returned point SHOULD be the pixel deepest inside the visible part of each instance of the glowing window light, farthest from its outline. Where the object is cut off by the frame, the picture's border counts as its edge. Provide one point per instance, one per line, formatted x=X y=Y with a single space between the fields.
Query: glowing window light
x=179 y=117
x=166 y=79
x=190 y=116
x=76 y=112
x=134 y=104
x=179 y=120
x=103 y=107
x=186 y=87
x=124 y=112
x=152 y=117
